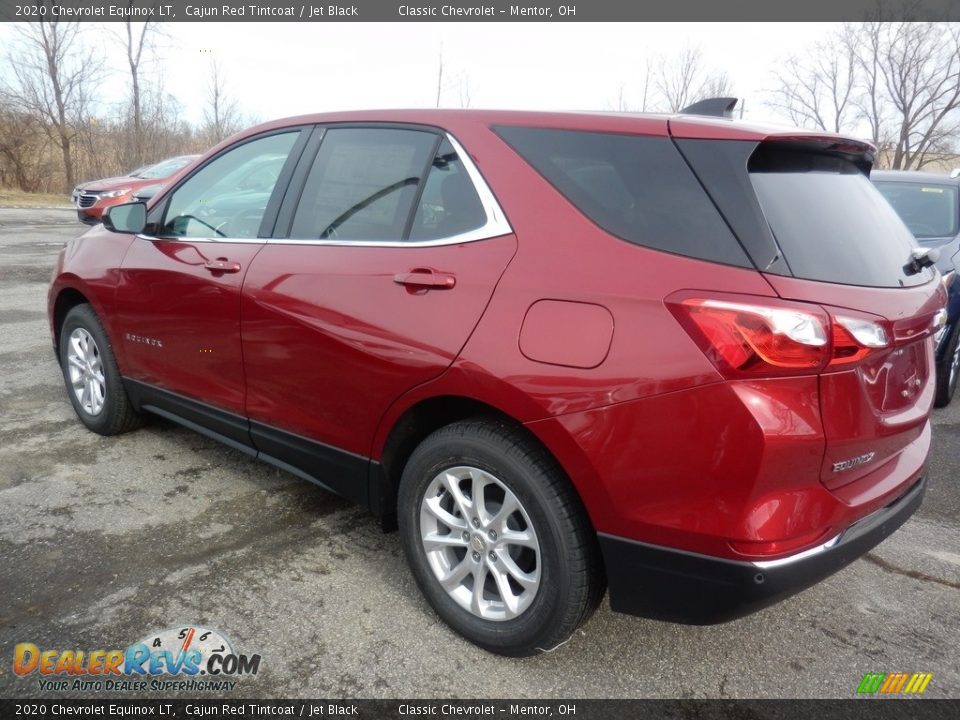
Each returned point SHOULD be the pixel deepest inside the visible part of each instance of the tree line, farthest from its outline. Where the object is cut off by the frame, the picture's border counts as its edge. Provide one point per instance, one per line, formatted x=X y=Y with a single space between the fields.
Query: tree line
x=895 y=83
x=51 y=136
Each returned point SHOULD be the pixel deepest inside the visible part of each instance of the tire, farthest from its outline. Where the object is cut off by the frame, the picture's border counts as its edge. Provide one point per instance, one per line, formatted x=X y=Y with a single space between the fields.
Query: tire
x=948 y=371
x=91 y=376
x=534 y=546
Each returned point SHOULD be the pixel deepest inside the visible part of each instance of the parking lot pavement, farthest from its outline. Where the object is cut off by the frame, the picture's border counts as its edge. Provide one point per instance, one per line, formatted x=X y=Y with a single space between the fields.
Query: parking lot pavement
x=106 y=540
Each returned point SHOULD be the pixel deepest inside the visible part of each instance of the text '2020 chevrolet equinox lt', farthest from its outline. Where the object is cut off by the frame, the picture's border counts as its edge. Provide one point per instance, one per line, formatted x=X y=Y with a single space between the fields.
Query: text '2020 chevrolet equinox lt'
x=681 y=357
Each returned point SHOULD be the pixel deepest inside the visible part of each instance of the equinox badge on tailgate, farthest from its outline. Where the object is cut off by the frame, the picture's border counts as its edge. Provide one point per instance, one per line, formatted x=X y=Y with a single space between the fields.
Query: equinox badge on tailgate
x=853 y=462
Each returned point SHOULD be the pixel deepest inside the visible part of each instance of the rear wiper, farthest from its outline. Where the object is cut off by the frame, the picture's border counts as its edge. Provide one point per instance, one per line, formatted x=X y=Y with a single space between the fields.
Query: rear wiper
x=921 y=258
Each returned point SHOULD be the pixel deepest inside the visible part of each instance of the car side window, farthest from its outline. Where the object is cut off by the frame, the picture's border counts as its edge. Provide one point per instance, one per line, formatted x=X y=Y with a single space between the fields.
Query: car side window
x=228 y=197
x=363 y=184
x=449 y=204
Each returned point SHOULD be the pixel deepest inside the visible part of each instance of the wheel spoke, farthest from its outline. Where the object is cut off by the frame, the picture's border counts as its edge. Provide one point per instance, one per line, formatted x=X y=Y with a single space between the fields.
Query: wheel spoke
x=433 y=507
x=85 y=396
x=85 y=345
x=478 y=485
x=452 y=485
x=433 y=541
x=477 y=603
x=510 y=506
x=526 y=580
x=523 y=538
x=98 y=395
x=511 y=602
x=76 y=362
x=92 y=394
x=76 y=343
x=452 y=580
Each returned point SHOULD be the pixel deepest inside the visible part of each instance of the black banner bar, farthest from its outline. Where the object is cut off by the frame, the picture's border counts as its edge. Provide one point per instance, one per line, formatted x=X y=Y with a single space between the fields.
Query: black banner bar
x=473 y=11
x=873 y=708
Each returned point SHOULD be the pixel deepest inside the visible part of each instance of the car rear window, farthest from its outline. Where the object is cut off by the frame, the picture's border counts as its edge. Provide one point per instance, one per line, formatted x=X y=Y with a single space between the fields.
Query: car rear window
x=635 y=187
x=929 y=210
x=829 y=220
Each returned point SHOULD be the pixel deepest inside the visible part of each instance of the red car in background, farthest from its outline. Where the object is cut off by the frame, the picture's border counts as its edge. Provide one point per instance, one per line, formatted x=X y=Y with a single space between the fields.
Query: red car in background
x=93 y=197
x=683 y=358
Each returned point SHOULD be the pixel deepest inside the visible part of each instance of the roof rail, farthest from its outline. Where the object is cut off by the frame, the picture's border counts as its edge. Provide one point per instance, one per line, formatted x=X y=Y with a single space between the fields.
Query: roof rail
x=714 y=107
x=955 y=173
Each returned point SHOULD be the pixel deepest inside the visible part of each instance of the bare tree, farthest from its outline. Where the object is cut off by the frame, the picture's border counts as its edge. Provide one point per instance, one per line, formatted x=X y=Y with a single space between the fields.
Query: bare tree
x=684 y=80
x=50 y=76
x=917 y=69
x=819 y=88
x=18 y=142
x=646 y=85
x=899 y=80
x=222 y=116
x=138 y=43
x=464 y=90
x=622 y=105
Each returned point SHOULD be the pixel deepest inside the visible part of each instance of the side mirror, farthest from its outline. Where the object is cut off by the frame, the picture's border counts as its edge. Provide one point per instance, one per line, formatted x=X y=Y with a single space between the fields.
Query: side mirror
x=126 y=218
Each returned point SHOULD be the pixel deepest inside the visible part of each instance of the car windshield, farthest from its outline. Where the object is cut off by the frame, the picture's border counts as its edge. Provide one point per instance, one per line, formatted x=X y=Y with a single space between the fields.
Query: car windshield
x=162 y=169
x=928 y=209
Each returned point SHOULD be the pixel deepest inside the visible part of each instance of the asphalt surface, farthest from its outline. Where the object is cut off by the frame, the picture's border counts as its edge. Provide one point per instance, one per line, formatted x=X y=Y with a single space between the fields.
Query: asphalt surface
x=105 y=540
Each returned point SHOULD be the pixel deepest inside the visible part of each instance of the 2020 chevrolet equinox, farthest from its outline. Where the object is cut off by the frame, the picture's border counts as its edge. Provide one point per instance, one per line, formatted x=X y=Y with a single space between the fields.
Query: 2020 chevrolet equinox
x=681 y=357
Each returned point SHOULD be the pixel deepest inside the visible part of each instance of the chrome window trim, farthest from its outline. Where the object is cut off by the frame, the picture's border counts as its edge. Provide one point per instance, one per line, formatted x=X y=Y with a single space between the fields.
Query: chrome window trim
x=214 y=240
x=496 y=225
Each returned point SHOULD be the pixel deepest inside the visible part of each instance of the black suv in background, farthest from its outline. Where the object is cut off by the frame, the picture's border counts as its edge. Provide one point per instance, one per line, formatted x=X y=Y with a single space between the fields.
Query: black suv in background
x=929 y=205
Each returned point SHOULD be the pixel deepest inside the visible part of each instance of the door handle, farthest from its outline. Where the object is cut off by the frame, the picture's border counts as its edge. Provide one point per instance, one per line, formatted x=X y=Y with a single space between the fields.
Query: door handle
x=424 y=278
x=222 y=265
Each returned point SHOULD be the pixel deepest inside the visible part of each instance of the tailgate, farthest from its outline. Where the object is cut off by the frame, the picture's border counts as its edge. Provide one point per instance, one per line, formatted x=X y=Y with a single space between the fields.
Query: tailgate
x=876 y=408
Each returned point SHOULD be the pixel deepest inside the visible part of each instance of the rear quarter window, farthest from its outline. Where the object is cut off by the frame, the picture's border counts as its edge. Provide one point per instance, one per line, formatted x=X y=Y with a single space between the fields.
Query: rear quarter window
x=637 y=188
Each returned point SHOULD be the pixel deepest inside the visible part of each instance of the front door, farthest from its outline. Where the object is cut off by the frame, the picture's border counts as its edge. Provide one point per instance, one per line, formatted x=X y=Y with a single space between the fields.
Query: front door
x=179 y=291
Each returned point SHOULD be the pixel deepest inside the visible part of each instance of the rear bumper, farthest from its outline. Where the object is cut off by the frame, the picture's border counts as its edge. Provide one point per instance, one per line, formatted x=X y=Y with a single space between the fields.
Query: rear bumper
x=666 y=584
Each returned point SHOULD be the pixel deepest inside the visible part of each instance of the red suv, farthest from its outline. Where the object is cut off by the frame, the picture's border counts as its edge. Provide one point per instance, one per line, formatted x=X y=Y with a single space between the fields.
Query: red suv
x=93 y=197
x=682 y=357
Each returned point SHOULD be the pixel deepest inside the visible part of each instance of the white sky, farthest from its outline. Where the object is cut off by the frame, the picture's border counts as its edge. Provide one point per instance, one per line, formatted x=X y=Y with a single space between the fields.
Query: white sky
x=279 y=69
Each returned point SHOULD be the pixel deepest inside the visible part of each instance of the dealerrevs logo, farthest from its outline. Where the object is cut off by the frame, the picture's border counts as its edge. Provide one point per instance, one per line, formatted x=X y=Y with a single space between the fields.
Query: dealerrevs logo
x=186 y=652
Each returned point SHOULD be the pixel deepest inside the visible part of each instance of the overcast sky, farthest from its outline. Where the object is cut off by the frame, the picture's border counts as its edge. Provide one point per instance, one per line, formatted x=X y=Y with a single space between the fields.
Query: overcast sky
x=279 y=69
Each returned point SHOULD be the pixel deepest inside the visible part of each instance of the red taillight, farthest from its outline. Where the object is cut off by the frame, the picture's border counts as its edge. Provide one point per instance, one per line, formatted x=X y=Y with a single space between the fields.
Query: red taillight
x=855 y=338
x=750 y=339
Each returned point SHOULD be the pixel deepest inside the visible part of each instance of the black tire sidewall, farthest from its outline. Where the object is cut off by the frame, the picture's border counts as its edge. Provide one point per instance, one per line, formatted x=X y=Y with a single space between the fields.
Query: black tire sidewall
x=527 y=633
x=82 y=316
x=946 y=389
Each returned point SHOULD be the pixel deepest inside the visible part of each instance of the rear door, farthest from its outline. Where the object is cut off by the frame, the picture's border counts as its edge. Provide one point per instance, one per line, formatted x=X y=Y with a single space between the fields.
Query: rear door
x=379 y=270
x=822 y=233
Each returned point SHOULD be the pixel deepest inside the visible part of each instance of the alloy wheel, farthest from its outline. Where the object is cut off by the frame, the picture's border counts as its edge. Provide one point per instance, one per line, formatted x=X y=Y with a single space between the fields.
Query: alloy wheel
x=86 y=371
x=480 y=543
